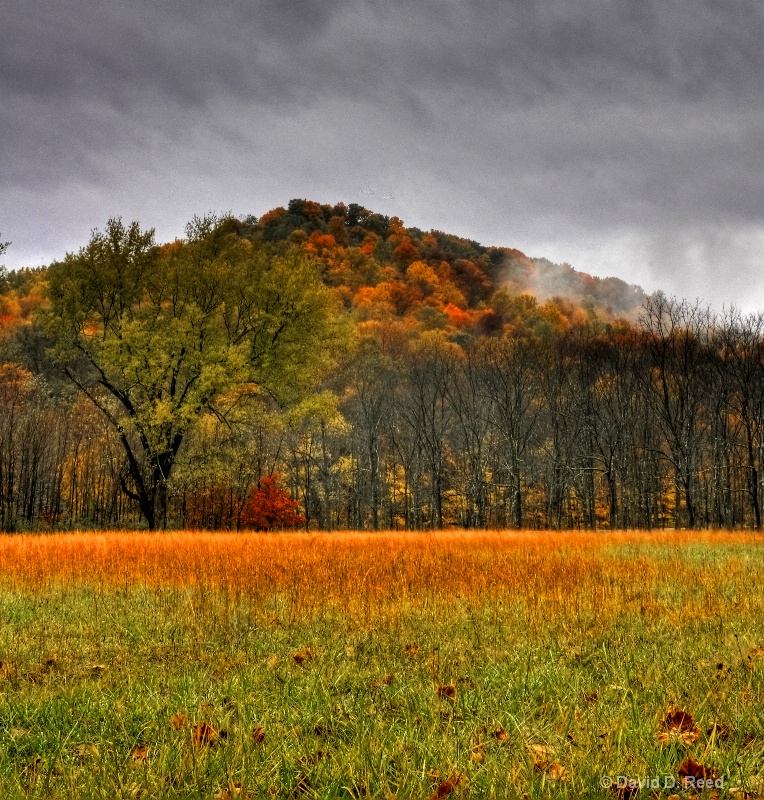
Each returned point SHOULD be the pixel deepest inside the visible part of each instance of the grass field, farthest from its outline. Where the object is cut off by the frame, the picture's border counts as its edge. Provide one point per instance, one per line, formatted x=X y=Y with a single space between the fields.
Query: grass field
x=216 y=665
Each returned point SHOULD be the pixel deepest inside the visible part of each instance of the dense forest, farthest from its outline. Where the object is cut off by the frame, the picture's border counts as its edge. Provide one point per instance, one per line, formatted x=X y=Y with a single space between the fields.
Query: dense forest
x=329 y=365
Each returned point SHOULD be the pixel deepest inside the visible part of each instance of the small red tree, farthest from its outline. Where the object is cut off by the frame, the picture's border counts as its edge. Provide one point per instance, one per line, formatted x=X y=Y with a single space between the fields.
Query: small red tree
x=270 y=507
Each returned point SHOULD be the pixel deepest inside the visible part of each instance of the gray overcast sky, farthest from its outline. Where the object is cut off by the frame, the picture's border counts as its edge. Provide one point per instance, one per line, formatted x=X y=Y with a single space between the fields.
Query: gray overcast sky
x=623 y=137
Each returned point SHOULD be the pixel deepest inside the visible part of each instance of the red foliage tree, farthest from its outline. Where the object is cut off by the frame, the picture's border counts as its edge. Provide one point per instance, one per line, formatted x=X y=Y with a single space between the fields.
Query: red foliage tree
x=270 y=507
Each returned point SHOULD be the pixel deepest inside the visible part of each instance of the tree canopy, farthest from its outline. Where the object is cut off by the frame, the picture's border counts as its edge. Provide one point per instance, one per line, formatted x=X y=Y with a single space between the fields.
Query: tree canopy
x=154 y=336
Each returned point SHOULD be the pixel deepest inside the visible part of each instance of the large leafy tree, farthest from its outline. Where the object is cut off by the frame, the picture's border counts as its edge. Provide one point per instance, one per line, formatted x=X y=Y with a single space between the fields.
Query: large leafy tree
x=157 y=336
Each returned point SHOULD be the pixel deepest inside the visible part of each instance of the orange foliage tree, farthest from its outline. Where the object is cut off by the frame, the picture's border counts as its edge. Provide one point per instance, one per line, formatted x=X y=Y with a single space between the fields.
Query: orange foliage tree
x=270 y=507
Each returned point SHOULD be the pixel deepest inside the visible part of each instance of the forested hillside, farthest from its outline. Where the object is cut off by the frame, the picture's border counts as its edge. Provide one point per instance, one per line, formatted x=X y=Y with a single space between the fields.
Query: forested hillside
x=385 y=376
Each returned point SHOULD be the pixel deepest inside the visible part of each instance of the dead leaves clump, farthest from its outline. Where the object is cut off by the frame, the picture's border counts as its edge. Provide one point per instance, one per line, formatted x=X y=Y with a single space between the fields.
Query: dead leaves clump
x=541 y=755
x=203 y=735
x=691 y=772
x=140 y=753
x=178 y=720
x=445 y=788
x=302 y=656
x=500 y=734
x=447 y=692
x=678 y=726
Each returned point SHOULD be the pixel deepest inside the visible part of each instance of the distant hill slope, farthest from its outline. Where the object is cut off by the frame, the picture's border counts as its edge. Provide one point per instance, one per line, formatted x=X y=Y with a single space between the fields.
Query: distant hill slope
x=386 y=272
x=363 y=249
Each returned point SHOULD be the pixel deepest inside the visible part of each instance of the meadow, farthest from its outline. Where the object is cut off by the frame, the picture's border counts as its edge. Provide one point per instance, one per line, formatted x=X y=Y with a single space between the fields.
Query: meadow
x=385 y=665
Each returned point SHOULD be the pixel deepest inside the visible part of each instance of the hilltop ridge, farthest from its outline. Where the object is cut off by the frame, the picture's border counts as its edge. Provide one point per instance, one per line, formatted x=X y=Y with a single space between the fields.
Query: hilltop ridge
x=364 y=249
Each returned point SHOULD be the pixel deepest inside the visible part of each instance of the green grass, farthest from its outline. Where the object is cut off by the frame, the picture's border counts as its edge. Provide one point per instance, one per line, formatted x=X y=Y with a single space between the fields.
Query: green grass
x=88 y=675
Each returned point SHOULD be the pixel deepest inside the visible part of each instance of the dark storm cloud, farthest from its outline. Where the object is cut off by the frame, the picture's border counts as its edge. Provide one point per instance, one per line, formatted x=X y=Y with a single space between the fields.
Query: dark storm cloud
x=519 y=123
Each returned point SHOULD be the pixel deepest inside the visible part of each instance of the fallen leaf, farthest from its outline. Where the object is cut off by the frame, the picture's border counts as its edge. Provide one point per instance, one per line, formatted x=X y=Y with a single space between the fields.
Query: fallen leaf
x=447 y=691
x=178 y=720
x=690 y=770
x=140 y=752
x=678 y=726
x=446 y=787
x=540 y=753
x=301 y=656
x=477 y=754
x=626 y=790
x=203 y=734
x=556 y=772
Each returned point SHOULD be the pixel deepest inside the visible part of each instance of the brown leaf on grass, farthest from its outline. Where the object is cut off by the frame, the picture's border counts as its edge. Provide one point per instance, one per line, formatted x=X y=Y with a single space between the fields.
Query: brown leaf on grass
x=755 y=653
x=556 y=772
x=678 y=726
x=499 y=734
x=690 y=770
x=477 y=754
x=178 y=720
x=591 y=697
x=229 y=794
x=385 y=680
x=412 y=650
x=203 y=735
x=625 y=791
x=301 y=656
x=258 y=735
x=540 y=754
x=446 y=787
x=140 y=753
x=446 y=691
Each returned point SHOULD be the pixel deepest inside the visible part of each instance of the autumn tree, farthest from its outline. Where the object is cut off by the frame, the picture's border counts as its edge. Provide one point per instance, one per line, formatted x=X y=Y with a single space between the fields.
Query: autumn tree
x=154 y=336
x=270 y=507
x=676 y=335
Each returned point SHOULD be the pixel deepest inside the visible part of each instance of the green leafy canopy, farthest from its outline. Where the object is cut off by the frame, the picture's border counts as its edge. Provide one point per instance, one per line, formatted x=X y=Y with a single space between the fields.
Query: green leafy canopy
x=156 y=335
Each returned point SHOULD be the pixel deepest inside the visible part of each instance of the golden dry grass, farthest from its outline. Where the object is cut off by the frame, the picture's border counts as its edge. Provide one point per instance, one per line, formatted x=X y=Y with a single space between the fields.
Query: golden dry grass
x=488 y=664
x=548 y=572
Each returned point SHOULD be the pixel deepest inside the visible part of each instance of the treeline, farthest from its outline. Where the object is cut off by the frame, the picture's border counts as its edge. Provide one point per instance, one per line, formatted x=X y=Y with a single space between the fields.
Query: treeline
x=598 y=425
x=389 y=378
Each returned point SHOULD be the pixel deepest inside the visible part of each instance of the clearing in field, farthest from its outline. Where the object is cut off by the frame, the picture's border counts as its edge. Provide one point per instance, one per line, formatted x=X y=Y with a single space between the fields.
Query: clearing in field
x=412 y=665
